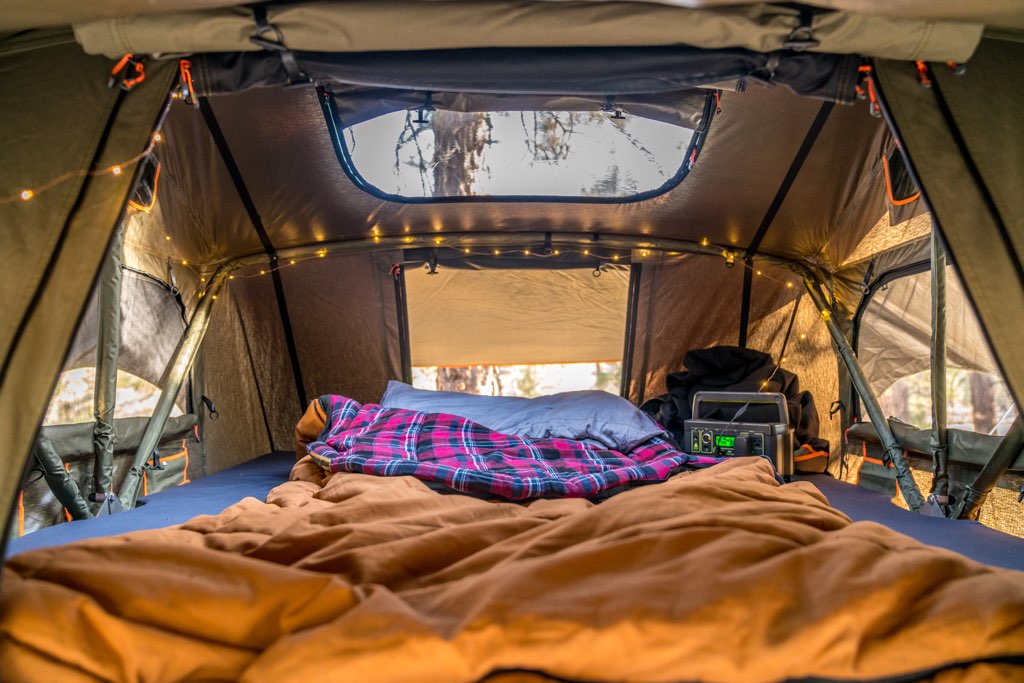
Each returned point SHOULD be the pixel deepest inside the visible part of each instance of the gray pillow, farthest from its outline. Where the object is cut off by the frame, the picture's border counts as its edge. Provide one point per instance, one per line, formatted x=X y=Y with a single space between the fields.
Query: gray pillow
x=596 y=416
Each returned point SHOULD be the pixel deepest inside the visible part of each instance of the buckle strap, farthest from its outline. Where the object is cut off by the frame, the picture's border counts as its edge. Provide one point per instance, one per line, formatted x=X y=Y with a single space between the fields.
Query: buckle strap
x=802 y=37
x=269 y=37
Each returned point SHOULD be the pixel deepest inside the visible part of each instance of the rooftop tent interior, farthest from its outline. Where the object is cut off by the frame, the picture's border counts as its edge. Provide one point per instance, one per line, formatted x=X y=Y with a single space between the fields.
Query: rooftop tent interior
x=789 y=179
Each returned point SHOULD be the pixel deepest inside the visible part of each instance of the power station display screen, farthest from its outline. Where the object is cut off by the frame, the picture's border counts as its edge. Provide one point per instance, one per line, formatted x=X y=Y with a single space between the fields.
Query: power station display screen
x=724 y=441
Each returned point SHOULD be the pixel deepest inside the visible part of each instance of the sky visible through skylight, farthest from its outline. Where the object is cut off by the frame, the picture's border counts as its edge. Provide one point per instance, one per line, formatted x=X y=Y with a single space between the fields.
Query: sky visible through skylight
x=564 y=154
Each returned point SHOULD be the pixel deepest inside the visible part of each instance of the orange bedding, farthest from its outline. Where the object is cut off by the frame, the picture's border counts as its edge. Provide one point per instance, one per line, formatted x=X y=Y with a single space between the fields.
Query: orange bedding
x=717 y=575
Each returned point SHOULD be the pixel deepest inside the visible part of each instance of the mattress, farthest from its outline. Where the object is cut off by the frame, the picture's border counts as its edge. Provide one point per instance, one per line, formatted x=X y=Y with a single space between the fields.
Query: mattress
x=721 y=574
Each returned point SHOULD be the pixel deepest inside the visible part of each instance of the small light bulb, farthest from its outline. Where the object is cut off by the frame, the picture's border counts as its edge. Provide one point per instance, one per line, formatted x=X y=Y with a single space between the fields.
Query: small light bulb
x=789 y=284
x=291 y=261
x=704 y=242
x=758 y=272
x=214 y=297
x=167 y=237
x=157 y=137
x=202 y=279
x=438 y=240
x=586 y=252
x=615 y=257
x=184 y=262
x=231 y=277
x=263 y=272
x=803 y=336
x=321 y=253
x=376 y=239
x=466 y=250
x=497 y=252
x=556 y=252
x=526 y=251
x=116 y=170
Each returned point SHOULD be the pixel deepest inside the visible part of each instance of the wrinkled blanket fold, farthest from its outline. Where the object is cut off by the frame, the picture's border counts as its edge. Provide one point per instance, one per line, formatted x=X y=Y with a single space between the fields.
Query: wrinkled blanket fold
x=718 y=575
x=464 y=456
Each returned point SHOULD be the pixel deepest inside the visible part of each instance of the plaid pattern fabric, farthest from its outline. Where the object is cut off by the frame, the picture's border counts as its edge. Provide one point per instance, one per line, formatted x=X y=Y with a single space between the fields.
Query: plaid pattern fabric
x=467 y=457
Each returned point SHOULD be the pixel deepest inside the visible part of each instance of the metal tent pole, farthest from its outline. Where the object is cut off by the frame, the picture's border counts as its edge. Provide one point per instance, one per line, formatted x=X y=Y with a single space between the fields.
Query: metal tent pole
x=108 y=346
x=182 y=361
x=1006 y=453
x=890 y=446
x=59 y=479
x=938 y=441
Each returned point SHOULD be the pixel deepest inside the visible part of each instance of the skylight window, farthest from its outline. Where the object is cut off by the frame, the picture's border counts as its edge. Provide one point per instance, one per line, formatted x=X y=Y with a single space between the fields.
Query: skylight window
x=422 y=155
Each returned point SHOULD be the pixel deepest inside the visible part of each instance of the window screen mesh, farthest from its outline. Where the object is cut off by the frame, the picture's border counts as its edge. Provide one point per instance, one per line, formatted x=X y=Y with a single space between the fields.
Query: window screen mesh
x=514 y=317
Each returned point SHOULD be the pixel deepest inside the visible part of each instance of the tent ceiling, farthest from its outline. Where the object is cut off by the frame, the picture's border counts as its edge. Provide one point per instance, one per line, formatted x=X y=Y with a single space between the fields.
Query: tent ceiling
x=281 y=144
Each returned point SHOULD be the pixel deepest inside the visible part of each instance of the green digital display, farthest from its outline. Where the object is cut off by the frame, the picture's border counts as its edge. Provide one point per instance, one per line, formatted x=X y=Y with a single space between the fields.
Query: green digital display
x=725 y=441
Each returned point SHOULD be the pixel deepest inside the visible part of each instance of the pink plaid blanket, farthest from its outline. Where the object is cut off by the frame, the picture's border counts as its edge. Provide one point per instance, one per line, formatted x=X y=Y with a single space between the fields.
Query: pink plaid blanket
x=467 y=457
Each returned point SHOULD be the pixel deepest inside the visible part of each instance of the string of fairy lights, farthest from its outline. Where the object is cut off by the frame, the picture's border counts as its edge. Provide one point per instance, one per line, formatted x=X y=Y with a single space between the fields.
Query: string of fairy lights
x=600 y=257
x=29 y=193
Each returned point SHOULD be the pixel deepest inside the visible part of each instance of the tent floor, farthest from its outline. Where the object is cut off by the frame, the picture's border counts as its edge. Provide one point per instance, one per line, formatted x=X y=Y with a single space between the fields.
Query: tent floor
x=212 y=494
x=206 y=496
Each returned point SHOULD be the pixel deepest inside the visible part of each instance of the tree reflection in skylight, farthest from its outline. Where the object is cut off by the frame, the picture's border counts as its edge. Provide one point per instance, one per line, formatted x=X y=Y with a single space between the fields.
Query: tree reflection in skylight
x=512 y=153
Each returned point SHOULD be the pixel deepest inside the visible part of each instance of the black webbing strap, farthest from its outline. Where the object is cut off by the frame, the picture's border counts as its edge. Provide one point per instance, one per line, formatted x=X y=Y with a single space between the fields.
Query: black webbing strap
x=787 y=182
x=257 y=224
x=748 y=284
x=402 y=308
x=629 y=345
x=275 y=43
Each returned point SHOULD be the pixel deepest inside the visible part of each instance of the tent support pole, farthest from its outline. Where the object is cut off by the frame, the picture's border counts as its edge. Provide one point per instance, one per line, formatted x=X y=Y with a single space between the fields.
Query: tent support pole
x=108 y=346
x=1006 y=454
x=59 y=479
x=938 y=442
x=890 y=446
x=177 y=371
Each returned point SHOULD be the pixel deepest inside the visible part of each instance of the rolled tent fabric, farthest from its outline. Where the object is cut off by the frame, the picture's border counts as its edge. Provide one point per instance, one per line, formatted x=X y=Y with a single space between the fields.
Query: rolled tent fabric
x=52 y=245
x=360 y=25
x=22 y=14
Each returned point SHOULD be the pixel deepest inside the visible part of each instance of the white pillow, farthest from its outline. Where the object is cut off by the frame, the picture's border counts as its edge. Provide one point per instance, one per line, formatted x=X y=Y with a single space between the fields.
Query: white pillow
x=597 y=416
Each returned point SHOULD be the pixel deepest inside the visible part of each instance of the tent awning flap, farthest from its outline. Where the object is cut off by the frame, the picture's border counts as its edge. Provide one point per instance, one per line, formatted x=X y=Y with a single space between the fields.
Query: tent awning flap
x=368 y=25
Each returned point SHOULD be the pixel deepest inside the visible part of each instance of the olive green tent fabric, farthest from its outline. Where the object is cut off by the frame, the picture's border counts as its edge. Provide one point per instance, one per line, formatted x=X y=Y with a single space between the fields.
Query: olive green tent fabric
x=21 y=14
x=358 y=25
x=57 y=116
x=965 y=140
x=345 y=324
